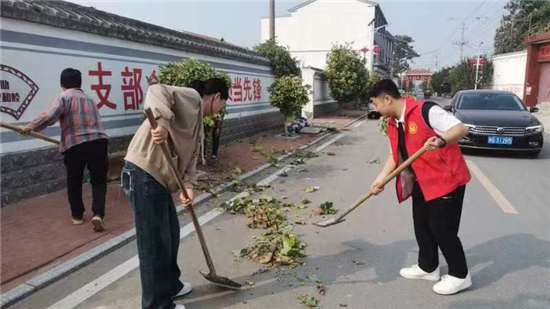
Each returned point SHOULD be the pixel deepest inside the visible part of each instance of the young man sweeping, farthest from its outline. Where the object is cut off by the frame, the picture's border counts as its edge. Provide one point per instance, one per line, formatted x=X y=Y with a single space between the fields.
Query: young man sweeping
x=84 y=144
x=436 y=181
x=149 y=183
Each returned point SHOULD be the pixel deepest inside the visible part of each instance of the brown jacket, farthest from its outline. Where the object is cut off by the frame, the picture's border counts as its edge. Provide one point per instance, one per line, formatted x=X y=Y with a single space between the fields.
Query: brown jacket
x=179 y=110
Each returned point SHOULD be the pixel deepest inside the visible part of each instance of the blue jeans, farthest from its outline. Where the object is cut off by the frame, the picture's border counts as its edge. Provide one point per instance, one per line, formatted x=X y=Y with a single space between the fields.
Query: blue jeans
x=158 y=237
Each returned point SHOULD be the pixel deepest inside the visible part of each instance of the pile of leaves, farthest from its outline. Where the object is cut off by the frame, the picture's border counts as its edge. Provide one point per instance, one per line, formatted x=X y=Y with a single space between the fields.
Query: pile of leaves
x=276 y=247
x=264 y=212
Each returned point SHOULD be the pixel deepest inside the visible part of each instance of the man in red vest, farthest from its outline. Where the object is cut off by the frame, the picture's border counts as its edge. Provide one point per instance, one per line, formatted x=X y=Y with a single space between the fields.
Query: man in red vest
x=436 y=181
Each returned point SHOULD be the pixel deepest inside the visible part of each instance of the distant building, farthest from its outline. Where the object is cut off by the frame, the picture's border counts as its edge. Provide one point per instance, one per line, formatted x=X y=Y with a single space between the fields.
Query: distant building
x=417 y=77
x=312 y=27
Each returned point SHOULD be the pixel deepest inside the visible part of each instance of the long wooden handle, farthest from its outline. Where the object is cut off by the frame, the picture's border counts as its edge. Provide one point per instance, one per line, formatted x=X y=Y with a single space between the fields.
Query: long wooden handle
x=33 y=134
x=179 y=179
x=388 y=178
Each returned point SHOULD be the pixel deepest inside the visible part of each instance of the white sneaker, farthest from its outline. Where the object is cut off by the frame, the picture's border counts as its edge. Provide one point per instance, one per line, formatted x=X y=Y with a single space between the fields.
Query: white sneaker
x=451 y=285
x=187 y=288
x=180 y=307
x=415 y=272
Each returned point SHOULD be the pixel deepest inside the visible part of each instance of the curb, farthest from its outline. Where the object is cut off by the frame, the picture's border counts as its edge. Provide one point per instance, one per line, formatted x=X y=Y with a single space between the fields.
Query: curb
x=39 y=282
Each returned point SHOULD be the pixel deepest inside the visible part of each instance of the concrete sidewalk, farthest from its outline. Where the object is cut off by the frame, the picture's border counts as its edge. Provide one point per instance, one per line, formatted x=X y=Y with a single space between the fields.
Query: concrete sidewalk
x=37 y=234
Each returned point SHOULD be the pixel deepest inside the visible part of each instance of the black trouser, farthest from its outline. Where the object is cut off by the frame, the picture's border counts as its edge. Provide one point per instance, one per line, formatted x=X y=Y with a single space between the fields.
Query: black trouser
x=158 y=237
x=92 y=154
x=436 y=225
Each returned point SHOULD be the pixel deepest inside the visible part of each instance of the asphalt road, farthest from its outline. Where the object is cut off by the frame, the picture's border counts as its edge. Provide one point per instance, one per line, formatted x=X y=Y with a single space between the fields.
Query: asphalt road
x=504 y=230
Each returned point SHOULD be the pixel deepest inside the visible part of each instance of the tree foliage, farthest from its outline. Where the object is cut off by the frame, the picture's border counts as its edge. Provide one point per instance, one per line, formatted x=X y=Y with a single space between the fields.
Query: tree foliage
x=440 y=81
x=183 y=72
x=289 y=95
x=346 y=73
x=523 y=18
x=403 y=53
x=462 y=76
x=281 y=61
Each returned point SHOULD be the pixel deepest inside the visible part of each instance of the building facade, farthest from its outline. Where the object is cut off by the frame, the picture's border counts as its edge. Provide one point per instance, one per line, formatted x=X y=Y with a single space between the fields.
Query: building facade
x=314 y=26
x=537 y=74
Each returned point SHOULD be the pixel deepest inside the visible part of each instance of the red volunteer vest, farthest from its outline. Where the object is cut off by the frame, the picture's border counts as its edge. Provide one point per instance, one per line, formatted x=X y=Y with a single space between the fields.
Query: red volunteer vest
x=438 y=172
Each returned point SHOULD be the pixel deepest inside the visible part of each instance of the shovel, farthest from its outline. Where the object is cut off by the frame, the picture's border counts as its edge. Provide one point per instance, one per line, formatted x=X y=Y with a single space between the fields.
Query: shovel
x=399 y=169
x=211 y=275
x=33 y=134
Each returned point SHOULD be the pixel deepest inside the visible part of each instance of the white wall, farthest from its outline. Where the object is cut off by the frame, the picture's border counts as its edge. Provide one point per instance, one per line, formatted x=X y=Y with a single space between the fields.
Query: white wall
x=509 y=72
x=319 y=90
x=311 y=30
x=41 y=52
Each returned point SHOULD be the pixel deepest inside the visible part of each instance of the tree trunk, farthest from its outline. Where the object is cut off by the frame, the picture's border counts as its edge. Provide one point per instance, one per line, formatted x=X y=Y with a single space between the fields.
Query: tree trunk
x=286 y=128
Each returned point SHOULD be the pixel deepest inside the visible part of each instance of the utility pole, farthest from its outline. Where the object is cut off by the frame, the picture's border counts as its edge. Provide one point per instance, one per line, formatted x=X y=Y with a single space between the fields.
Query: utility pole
x=437 y=62
x=463 y=41
x=477 y=65
x=272 y=19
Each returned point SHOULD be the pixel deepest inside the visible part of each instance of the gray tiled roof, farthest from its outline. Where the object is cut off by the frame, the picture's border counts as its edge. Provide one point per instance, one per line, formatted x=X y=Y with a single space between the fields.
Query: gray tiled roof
x=88 y=19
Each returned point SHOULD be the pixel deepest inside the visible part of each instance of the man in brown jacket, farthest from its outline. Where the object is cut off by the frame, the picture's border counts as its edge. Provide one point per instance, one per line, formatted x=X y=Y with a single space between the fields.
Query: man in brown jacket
x=149 y=184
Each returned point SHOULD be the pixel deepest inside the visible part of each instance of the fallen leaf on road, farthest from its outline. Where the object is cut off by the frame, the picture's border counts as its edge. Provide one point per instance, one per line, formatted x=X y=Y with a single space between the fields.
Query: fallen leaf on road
x=240 y=252
x=311 y=189
x=374 y=161
x=358 y=262
x=314 y=279
x=305 y=201
x=238 y=170
x=327 y=208
x=321 y=289
x=309 y=301
x=249 y=283
x=332 y=154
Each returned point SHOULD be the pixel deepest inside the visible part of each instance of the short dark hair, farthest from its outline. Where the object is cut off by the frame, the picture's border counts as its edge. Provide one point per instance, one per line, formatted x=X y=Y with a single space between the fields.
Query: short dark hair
x=386 y=87
x=215 y=85
x=71 y=78
x=211 y=86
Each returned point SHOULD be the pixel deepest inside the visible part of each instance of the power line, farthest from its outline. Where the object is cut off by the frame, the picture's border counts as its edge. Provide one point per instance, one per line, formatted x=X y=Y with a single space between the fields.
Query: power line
x=463 y=41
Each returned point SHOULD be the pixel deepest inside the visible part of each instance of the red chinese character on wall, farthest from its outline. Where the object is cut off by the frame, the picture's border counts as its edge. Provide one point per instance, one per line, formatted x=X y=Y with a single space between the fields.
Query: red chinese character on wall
x=152 y=79
x=247 y=90
x=257 y=84
x=131 y=87
x=237 y=90
x=103 y=98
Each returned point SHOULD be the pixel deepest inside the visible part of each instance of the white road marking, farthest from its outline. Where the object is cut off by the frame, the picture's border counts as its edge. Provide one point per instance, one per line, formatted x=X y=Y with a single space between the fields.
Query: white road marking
x=501 y=200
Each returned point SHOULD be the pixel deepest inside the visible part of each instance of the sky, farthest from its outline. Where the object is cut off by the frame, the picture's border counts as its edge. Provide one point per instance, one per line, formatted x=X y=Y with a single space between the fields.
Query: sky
x=434 y=25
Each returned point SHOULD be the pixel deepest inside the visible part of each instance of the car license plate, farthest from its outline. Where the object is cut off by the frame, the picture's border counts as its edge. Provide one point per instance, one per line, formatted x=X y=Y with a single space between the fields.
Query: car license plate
x=500 y=140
